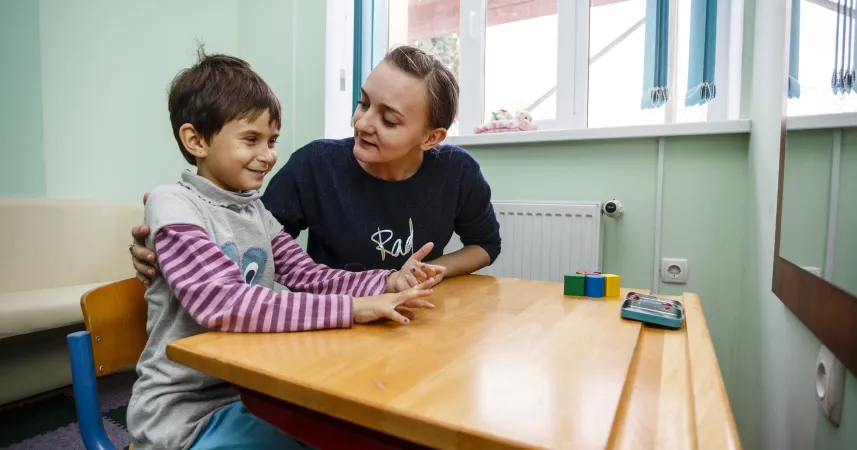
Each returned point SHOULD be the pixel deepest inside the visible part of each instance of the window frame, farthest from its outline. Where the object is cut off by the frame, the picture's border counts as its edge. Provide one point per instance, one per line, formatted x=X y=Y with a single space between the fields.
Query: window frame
x=572 y=90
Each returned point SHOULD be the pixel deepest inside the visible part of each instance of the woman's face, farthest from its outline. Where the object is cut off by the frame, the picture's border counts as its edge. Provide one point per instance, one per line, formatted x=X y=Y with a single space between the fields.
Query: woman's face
x=391 y=120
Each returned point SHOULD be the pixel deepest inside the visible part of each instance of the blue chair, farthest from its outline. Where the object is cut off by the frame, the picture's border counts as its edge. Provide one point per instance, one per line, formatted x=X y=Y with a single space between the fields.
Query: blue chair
x=115 y=318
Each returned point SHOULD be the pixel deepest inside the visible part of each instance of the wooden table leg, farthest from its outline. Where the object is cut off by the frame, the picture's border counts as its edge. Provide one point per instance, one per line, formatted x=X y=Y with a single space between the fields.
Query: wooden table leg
x=316 y=429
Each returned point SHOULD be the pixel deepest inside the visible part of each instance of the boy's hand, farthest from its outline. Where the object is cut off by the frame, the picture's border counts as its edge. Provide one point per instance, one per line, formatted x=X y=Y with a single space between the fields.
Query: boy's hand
x=392 y=306
x=414 y=272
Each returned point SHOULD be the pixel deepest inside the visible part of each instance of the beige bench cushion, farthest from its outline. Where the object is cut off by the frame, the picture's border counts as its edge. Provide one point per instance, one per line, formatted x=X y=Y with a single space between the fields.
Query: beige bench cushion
x=50 y=243
x=42 y=309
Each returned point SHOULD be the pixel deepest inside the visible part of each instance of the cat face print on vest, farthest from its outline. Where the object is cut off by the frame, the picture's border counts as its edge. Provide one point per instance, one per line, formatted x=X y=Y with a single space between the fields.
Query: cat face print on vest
x=252 y=263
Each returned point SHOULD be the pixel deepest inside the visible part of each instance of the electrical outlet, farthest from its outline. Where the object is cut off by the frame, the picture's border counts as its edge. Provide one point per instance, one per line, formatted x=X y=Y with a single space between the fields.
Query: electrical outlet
x=813 y=270
x=674 y=270
x=829 y=384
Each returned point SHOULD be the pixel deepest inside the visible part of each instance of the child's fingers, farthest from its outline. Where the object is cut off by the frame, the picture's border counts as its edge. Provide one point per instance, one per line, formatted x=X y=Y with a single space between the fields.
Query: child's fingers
x=417 y=303
x=394 y=315
x=419 y=291
x=401 y=309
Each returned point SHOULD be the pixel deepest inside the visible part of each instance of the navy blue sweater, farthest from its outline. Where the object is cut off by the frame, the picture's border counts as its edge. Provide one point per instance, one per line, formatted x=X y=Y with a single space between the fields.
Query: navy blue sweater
x=358 y=222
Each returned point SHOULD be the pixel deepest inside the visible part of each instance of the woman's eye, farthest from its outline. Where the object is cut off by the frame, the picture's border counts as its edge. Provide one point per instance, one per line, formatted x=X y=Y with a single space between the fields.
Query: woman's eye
x=388 y=123
x=363 y=105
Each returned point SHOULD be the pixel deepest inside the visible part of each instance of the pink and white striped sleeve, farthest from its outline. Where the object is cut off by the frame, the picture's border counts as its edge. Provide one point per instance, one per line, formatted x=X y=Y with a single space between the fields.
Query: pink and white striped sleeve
x=211 y=288
x=296 y=270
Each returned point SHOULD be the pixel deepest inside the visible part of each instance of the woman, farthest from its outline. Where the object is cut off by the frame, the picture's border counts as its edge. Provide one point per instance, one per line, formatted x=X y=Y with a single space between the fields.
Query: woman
x=369 y=201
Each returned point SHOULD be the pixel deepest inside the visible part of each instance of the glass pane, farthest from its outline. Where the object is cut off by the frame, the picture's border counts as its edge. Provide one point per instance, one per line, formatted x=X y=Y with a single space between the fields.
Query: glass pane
x=617 y=35
x=520 y=57
x=432 y=26
x=697 y=113
x=815 y=66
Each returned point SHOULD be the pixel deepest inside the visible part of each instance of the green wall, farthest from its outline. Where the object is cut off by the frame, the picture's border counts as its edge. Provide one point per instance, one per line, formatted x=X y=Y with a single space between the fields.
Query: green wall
x=704 y=208
x=86 y=113
x=806 y=197
x=703 y=214
x=22 y=160
x=845 y=258
x=772 y=377
x=806 y=203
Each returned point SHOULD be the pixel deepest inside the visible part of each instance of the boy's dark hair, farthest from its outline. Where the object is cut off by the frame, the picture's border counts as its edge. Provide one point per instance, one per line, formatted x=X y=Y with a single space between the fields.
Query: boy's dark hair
x=216 y=90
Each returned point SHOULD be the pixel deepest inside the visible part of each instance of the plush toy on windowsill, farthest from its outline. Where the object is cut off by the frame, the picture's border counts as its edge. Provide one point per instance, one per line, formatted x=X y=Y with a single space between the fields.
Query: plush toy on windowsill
x=503 y=121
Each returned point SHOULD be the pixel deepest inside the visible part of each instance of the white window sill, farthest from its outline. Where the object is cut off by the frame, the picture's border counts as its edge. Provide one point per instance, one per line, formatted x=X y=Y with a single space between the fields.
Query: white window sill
x=589 y=134
x=822 y=121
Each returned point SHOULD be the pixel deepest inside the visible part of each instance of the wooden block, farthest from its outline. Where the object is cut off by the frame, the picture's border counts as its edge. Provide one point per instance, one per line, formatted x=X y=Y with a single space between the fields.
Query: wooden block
x=575 y=284
x=594 y=286
x=612 y=284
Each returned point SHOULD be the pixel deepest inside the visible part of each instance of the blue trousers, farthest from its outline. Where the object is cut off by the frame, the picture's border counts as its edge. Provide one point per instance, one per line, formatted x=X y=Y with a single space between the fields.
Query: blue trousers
x=234 y=427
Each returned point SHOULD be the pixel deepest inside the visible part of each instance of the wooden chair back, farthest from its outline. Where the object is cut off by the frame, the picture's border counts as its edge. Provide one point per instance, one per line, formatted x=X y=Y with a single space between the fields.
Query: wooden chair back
x=115 y=316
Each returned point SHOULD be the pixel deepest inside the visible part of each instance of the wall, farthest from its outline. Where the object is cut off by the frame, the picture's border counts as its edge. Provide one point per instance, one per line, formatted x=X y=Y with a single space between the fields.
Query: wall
x=697 y=203
x=22 y=170
x=845 y=257
x=806 y=197
x=770 y=384
x=806 y=203
x=87 y=115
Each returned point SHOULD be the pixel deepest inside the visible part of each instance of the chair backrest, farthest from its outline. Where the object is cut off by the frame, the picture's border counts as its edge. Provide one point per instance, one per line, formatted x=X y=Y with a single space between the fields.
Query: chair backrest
x=115 y=316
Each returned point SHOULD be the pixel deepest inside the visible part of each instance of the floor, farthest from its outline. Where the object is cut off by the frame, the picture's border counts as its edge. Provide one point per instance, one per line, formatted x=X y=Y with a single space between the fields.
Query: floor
x=49 y=421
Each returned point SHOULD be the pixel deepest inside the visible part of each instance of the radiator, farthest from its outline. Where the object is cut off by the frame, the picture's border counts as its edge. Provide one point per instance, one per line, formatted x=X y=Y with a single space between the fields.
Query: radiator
x=544 y=241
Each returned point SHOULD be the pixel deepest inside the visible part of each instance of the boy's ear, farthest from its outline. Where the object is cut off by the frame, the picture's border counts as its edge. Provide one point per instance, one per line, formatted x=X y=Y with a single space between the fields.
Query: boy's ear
x=433 y=138
x=193 y=142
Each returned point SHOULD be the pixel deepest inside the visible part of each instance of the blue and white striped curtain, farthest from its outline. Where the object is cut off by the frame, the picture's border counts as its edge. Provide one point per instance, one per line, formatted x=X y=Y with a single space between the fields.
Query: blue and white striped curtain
x=655 y=90
x=794 y=50
x=703 y=52
x=842 y=79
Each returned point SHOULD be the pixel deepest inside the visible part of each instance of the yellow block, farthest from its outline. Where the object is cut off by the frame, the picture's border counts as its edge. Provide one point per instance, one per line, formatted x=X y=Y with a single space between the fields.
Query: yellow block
x=611 y=285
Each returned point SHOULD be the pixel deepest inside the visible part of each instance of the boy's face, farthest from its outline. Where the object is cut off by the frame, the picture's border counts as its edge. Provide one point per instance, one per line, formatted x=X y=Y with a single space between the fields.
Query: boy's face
x=239 y=156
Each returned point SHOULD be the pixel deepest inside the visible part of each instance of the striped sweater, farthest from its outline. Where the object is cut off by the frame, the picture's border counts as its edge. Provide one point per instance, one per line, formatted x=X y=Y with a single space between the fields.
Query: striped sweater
x=213 y=291
x=220 y=254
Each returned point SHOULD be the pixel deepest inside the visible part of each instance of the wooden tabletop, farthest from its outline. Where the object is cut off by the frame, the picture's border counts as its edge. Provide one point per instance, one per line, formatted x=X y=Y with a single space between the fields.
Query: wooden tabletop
x=500 y=363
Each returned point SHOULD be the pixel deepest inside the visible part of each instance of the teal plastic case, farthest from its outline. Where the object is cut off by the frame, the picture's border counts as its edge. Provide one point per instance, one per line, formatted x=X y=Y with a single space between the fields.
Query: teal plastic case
x=654 y=310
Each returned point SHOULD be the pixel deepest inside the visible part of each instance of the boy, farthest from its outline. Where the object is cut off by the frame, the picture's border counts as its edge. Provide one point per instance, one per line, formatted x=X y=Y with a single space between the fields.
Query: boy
x=220 y=252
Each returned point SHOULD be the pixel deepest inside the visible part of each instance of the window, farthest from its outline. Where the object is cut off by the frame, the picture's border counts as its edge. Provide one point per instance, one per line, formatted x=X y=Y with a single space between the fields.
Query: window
x=815 y=62
x=571 y=63
x=520 y=57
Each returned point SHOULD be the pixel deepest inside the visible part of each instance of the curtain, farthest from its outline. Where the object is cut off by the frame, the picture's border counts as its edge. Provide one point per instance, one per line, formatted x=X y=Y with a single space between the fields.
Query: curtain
x=655 y=90
x=842 y=79
x=703 y=51
x=794 y=47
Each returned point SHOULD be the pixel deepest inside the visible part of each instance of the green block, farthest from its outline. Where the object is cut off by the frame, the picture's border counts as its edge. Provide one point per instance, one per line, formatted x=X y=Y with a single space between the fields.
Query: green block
x=575 y=284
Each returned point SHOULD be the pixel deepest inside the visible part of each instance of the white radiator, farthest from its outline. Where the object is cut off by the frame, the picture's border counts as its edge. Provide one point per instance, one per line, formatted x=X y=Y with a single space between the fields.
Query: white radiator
x=544 y=241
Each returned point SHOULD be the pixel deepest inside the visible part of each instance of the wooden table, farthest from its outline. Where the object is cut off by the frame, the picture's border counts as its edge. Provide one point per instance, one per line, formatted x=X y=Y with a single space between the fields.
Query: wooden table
x=500 y=363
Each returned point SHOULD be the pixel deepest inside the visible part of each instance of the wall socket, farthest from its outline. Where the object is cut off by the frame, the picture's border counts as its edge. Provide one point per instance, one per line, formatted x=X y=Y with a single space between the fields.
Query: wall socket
x=829 y=385
x=674 y=270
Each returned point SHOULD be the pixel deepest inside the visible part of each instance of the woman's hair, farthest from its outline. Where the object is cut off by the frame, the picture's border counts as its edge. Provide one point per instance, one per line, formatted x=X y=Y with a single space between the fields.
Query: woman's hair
x=440 y=82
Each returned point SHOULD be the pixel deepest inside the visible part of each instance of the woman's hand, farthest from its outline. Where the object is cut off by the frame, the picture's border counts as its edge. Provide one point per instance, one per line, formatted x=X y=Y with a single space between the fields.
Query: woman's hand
x=142 y=258
x=393 y=306
x=414 y=272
